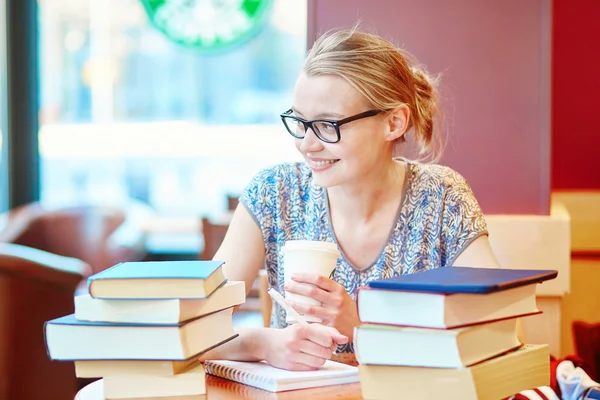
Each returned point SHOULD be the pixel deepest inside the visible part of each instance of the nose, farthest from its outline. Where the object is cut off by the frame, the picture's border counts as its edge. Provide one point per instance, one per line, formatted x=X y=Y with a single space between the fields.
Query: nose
x=310 y=144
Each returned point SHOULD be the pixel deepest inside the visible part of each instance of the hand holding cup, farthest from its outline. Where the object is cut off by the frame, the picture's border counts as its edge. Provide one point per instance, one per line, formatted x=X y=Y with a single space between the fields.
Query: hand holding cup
x=310 y=290
x=336 y=308
x=309 y=257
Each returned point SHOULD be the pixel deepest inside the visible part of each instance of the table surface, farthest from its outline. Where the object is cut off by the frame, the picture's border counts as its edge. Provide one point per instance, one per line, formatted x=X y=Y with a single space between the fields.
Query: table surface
x=222 y=389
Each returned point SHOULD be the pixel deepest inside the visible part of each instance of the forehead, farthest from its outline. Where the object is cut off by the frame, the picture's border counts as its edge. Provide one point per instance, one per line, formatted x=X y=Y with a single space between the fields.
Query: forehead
x=317 y=95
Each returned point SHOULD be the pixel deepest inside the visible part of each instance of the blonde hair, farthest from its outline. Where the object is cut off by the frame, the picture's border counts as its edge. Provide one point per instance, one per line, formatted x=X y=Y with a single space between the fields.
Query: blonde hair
x=386 y=76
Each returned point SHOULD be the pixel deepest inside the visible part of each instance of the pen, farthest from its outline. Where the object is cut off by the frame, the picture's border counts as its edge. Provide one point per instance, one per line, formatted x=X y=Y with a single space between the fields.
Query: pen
x=279 y=299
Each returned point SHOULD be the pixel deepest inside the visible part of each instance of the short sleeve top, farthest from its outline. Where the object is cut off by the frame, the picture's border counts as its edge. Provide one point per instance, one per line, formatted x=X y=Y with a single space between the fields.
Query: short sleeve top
x=437 y=219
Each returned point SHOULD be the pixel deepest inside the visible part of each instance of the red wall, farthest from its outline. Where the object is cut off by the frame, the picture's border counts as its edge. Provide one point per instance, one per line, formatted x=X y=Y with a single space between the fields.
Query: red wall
x=576 y=95
x=494 y=57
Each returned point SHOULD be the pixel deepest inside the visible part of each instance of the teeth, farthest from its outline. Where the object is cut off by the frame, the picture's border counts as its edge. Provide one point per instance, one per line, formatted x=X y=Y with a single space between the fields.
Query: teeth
x=322 y=163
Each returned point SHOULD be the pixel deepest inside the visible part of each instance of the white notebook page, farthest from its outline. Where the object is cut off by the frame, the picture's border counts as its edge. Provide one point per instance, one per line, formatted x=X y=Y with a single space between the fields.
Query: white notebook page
x=267 y=377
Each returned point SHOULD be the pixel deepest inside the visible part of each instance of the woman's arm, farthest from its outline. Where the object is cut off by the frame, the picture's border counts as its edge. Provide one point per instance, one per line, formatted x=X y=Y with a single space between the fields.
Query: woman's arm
x=243 y=249
x=243 y=252
x=296 y=347
x=480 y=254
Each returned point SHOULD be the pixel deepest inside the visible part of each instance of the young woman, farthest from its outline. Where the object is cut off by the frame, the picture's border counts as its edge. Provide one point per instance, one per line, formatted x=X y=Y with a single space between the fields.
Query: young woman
x=354 y=101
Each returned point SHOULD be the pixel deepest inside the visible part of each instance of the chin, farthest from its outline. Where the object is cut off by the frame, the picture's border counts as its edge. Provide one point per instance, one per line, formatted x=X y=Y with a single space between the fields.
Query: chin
x=321 y=180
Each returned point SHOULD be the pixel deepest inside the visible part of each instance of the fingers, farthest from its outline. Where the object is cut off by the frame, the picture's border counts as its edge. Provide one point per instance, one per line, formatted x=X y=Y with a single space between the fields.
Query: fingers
x=304 y=289
x=325 y=314
x=310 y=361
x=324 y=336
x=315 y=350
x=307 y=347
x=338 y=338
x=314 y=279
x=314 y=345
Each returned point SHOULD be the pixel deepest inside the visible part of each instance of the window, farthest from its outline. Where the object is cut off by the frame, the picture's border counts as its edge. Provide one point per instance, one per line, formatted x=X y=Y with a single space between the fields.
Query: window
x=4 y=188
x=128 y=116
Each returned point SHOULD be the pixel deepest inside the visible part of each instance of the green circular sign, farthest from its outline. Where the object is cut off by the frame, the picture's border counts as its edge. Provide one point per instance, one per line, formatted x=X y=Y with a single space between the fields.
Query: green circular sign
x=208 y=25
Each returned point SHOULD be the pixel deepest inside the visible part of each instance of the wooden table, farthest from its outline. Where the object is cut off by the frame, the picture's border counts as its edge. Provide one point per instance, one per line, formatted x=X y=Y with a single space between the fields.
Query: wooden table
x=222 y=389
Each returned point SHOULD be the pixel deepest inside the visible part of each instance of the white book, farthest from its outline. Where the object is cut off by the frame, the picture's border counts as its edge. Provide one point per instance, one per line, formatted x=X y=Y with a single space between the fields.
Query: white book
x=70 y=339
x=440 y=310
x=165 y=311
x=435 y=348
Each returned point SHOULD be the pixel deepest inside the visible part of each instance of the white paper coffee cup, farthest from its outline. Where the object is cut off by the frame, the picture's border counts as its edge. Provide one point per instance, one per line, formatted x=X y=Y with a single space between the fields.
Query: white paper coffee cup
x=311 y=257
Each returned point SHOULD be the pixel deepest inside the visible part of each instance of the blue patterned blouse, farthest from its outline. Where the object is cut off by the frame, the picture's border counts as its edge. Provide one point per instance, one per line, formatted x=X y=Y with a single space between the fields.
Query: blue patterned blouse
x=437 y=219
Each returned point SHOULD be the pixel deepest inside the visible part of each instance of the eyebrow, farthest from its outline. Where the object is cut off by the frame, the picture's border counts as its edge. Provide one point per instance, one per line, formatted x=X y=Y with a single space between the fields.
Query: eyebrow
x=322 y=115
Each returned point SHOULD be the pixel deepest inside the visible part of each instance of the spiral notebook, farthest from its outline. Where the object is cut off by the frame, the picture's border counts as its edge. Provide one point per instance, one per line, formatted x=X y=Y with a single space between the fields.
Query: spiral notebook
x=264 y=376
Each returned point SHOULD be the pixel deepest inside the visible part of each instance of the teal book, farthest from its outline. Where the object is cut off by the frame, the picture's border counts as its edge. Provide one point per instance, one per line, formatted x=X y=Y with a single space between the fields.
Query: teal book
x=158 y=280
x=450 y=280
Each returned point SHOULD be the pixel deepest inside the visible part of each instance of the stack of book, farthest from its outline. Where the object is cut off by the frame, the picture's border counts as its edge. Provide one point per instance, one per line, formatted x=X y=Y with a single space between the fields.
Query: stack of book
x=449 y=333
x=143 y=325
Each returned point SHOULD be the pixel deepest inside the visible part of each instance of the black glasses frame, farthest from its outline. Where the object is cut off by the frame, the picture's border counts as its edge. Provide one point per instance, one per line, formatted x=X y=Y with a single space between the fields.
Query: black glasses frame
x=310 y=124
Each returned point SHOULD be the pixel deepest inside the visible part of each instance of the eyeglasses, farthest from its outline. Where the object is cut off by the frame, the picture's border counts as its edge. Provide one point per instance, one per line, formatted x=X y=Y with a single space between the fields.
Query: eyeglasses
x=326 y=130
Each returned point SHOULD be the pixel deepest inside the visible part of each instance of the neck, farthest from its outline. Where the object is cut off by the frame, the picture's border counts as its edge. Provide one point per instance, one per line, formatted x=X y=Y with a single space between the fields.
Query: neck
x=361 y=200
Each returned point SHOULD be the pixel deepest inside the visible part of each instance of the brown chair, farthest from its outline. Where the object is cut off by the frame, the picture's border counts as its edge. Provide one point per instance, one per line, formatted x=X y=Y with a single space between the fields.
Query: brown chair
x=214 y=233
x=232 y=202
x=35 y=286
x=85 y=232
x=586 y=338
x=266 y=304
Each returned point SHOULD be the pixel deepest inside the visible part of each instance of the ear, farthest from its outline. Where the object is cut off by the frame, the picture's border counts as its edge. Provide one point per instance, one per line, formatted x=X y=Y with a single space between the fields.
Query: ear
x=397 y=122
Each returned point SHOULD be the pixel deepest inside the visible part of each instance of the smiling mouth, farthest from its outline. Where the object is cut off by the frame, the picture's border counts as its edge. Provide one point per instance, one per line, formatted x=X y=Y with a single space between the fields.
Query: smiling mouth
x=323 y=163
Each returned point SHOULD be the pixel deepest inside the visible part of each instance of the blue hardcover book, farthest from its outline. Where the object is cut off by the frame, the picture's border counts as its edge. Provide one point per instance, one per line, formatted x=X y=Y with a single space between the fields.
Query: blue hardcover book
x=158 y=280
x=68 y=338
x=450 y=280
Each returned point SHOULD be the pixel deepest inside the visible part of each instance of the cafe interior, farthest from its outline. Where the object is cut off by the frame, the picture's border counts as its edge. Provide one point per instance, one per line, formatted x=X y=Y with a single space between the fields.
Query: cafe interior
x=129 y=133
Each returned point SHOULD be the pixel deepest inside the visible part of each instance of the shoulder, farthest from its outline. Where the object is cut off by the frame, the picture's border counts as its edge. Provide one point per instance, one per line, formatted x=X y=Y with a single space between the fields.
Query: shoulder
x=435 y=178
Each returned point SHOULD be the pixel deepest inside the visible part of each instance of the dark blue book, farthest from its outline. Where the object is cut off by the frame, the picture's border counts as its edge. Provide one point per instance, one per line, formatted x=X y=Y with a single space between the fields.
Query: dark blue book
x=593 y=393
x=450 y=280
x=158 y=280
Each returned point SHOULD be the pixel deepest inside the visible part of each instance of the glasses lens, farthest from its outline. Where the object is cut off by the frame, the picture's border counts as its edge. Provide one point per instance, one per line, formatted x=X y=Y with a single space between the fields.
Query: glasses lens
x=326 y=130
x=294 y=127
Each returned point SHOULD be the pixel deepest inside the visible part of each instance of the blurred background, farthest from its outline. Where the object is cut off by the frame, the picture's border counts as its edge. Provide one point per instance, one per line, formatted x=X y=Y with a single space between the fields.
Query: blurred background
x=130 y=127
x=129 y=115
